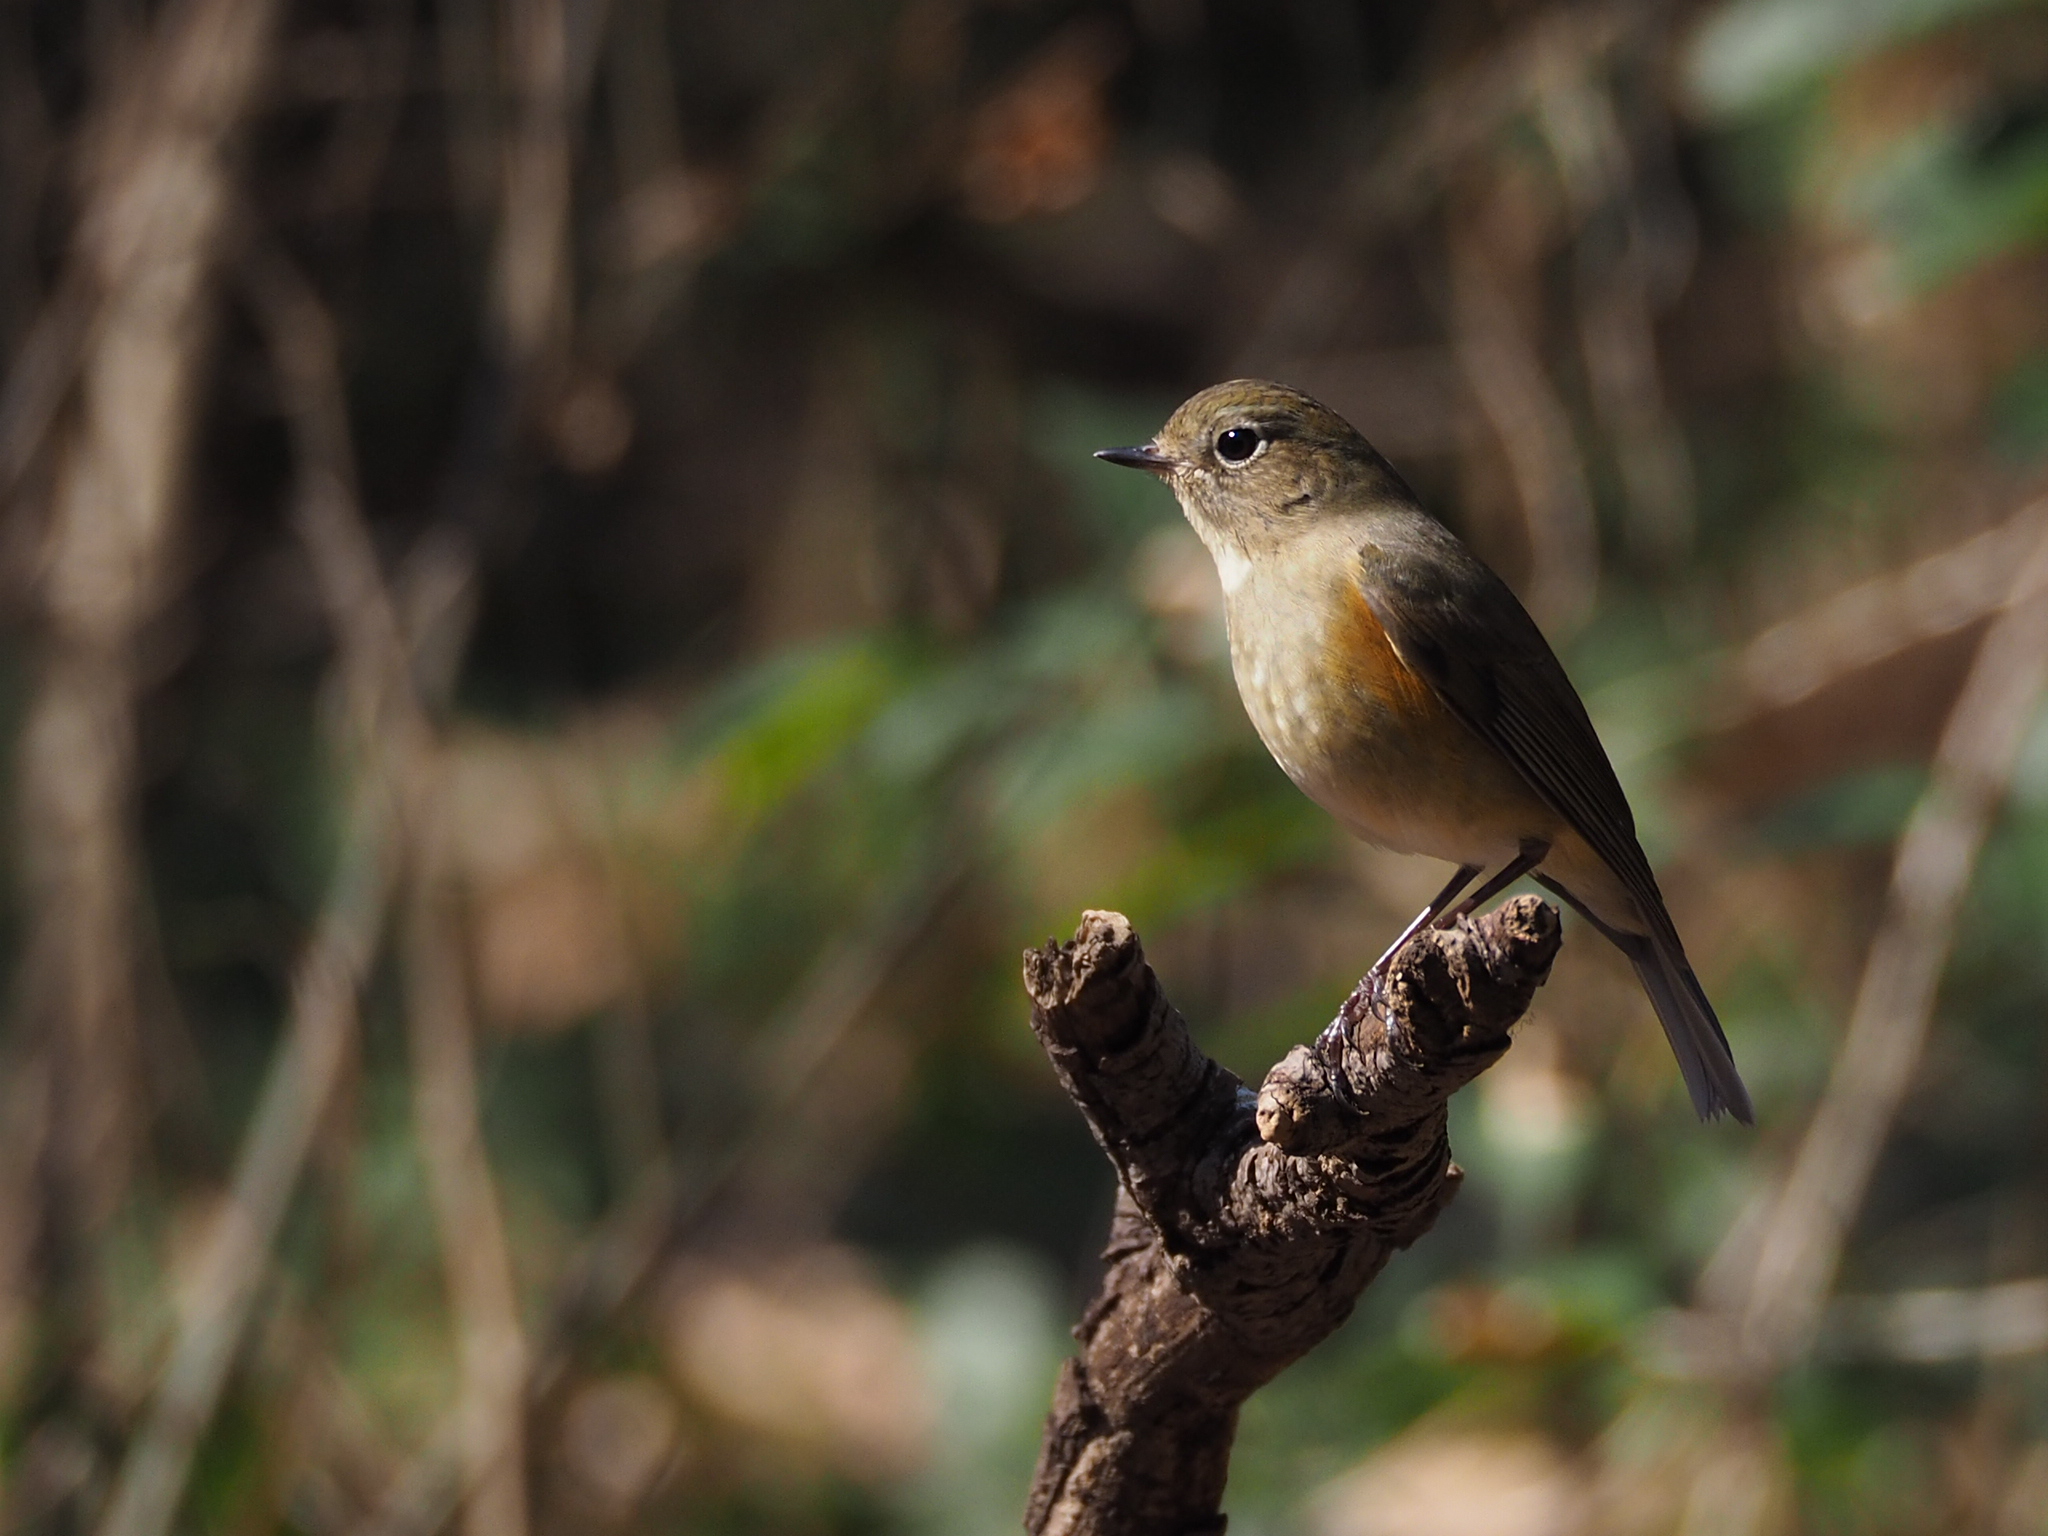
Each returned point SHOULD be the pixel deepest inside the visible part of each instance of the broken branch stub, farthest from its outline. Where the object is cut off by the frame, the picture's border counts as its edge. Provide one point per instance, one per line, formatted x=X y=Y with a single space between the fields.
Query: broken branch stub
x=1247 y=1225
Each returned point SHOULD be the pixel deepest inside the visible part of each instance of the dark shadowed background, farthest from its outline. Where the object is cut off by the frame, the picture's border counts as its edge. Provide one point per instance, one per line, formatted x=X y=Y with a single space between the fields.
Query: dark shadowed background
x=562 y=635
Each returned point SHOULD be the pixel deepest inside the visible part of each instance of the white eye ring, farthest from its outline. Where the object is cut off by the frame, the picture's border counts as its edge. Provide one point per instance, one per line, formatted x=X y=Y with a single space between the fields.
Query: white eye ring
x=1233 y=438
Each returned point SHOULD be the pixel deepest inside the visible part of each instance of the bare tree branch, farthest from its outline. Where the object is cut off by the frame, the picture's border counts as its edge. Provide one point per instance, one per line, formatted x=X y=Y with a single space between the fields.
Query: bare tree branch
x=491 y=1346
x=1246 y=1226
x=1617 y=322
x=120 y=338
x=618 y=1259
x=1772 y=1284
x=1862 y=624
x=126 y=332
x=1515 y=394
x=530 y=280
x=388 y=734
x=295 y=1096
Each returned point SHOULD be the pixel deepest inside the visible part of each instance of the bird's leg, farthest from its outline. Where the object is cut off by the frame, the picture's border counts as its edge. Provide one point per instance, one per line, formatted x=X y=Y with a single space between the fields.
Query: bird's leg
x=1429 y=914
x=1606 y=930
x=1367 y=994
x=1534 y=851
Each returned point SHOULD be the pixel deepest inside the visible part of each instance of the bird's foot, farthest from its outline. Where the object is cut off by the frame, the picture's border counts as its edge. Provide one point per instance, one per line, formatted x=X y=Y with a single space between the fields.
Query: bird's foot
x=1370 y=995
x=1368 y=998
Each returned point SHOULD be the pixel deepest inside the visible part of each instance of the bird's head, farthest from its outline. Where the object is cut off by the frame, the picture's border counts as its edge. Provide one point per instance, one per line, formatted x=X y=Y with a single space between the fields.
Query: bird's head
x=1253 y=462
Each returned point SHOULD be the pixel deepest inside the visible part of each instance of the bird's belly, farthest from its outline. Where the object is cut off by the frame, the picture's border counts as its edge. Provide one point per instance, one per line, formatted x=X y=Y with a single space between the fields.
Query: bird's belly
x=1427 y=787
x=1374 y=746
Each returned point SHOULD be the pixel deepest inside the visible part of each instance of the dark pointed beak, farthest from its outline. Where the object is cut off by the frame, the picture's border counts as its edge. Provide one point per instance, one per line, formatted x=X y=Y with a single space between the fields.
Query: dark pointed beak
x=1144 y=457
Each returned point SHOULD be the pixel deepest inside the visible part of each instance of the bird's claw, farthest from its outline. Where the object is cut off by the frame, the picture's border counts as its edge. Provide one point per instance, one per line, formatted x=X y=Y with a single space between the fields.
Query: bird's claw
x=1368 y=998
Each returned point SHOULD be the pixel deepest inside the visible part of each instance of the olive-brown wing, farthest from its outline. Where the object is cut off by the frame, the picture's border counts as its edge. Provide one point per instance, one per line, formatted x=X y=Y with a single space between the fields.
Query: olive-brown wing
x=1458 y=627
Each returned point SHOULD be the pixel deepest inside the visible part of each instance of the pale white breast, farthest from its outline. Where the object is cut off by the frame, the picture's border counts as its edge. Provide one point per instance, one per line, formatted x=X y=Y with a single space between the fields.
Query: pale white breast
x=1278 y=685
x=1232 y=568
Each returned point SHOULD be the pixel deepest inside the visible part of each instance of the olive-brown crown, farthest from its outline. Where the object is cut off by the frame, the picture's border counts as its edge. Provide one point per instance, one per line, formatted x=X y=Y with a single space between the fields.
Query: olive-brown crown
x=1253 y=450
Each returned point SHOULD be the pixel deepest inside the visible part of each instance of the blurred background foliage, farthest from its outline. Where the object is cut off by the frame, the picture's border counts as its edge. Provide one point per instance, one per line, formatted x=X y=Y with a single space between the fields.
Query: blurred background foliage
x=742 y=660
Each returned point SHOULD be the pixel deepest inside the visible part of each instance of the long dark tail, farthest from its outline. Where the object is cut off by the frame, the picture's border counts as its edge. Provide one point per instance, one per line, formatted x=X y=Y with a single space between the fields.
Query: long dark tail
x=1689 y=1024
x=1704 y=1059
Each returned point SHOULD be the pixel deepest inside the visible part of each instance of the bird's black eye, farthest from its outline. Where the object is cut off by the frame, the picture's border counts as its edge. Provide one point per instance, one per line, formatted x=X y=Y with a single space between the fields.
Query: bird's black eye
x=1237 y=445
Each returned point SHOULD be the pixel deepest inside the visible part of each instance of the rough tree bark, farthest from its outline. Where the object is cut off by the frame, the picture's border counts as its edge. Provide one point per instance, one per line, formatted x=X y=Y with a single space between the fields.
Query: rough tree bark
x=1246 y=1225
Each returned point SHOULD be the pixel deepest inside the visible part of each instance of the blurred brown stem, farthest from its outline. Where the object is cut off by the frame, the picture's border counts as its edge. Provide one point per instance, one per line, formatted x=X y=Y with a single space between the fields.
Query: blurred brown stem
x=1245 y=1230
x=356 y=155
x=121 y=344
x=1617 y=330
x=1776 y=1297
x=491 y=1346
x=295 y=1095
x=530 y=283
x=383 y=733
x=1534 y=430
x=45 y=364
x=1872 y=621
x=617 y=1260
x=484 y=1301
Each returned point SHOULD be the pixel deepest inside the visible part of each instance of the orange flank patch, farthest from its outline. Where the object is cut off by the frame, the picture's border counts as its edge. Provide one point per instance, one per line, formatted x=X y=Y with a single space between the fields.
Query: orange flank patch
x=1359 y=655
x=1399 y=767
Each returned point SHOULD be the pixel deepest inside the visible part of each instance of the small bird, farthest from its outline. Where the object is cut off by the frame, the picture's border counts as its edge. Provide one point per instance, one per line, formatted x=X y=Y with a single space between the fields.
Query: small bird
x=1404 y=689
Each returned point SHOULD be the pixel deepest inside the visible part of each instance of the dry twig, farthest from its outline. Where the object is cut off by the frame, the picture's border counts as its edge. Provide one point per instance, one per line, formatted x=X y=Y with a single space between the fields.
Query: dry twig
x=530 y=279
x=617 y=1260
x=1246 y=1227
x=125 y=333
x=1773 y=1292
x=491 y=1345
x=385 y=732
x=1617 y=330
x=1506 y=376
x=1861 y=625
x=483 y=1300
